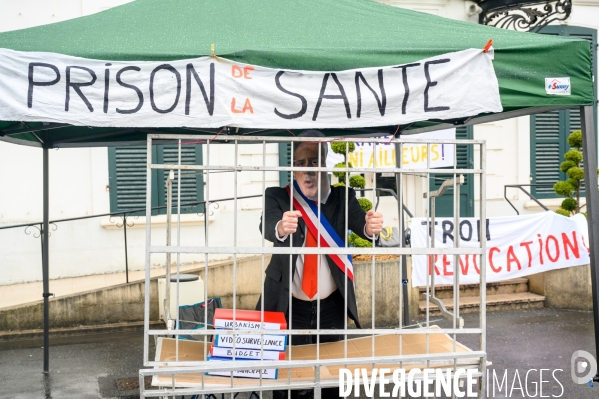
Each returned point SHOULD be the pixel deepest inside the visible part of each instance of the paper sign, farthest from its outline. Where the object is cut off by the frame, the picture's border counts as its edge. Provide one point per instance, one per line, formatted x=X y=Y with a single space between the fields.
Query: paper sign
x=413 y=155
x=253 y=373
x=252 y=341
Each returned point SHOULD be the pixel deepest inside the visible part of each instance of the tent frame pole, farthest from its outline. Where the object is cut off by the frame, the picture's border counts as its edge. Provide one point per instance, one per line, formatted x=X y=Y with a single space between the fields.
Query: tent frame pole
x=45 y=258
x=402 y=239
x=589 y=150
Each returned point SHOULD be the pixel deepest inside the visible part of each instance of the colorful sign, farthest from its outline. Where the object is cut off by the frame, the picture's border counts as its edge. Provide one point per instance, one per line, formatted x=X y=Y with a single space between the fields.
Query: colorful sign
x=413 y=155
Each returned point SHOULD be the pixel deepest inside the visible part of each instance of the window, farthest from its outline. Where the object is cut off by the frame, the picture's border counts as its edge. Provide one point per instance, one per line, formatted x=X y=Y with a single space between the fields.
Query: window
x=465 y=160
x=284 y=160
x=549 y=131
x=127 y=178
x=444 y=204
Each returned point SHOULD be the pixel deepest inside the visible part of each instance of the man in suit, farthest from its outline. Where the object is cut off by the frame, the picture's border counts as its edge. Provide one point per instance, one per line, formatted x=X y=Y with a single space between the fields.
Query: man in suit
x=298 y=274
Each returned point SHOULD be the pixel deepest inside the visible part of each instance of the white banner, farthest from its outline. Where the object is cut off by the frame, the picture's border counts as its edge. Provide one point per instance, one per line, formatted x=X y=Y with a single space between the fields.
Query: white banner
x=214 y=92
x=413 y=155
x=517 y=246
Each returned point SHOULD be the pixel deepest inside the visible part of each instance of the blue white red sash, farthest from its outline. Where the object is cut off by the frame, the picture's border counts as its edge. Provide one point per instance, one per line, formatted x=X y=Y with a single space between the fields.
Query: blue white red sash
x=328 y=236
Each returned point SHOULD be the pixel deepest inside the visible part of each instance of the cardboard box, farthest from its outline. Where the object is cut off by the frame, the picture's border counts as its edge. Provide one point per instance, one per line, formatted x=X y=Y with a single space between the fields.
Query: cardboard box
x=249 y=319
x=384 y=345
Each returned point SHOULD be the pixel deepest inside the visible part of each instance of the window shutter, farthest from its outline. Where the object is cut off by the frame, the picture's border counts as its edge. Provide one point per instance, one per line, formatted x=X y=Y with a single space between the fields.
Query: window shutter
x=191 y=180
x=546 y=152
x=464 y=152
x=550 y=131
x=127 y=176
x=465 y=160
x=284 y=160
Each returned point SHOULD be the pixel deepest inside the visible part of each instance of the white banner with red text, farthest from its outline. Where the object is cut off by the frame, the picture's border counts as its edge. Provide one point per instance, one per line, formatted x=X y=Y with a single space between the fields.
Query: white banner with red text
x=517 y=246
x=212 y=92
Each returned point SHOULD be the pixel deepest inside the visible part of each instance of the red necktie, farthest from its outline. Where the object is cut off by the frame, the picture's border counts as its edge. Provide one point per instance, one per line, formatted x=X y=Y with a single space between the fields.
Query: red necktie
x=310 y=278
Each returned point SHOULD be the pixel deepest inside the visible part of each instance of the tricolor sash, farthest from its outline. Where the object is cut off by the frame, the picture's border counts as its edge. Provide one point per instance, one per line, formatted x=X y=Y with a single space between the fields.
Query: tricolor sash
x=328 y=236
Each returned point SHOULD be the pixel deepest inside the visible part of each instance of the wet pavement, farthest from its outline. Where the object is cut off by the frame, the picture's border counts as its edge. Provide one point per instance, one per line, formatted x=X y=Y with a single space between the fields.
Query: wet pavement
x=518 y=341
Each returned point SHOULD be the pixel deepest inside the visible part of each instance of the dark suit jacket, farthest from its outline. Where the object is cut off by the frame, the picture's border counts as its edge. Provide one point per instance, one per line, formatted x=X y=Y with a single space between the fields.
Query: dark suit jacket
x=276 y=283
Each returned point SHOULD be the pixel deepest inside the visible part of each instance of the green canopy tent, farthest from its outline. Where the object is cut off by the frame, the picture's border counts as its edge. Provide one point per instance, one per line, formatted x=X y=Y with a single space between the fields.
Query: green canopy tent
x=320 y=36
x=328 y=35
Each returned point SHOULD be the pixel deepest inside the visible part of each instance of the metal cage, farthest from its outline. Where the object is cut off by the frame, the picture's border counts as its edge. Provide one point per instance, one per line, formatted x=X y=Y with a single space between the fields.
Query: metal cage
x=168 y=374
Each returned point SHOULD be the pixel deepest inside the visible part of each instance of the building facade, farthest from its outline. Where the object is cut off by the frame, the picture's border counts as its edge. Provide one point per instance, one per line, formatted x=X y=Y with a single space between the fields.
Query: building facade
x=95 y=181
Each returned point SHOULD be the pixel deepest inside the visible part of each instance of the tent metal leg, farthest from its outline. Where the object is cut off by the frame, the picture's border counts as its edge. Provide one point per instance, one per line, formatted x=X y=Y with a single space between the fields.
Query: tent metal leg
x=589 y=149
x=45 y=260
x=404 y=268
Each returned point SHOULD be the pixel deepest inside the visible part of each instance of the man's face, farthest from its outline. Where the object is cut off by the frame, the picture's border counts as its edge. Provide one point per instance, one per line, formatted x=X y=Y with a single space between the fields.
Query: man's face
x=306 y=154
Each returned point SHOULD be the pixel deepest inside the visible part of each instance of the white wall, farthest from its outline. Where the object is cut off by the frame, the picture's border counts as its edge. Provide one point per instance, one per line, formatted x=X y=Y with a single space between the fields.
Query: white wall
x=79 y=187
x=508 y=141
x=79 y=177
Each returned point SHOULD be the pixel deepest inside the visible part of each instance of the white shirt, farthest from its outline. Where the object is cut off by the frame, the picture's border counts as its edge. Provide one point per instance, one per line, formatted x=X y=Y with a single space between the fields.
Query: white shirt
x=326 y=284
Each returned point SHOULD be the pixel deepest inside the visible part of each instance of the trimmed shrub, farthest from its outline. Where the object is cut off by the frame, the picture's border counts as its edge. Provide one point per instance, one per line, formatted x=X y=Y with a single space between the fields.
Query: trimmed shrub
x=357 y=181
x=575 y=173
x=358 y=242
x=365 y=204
x=563 y=188
x=566 y=165
x=575 y=139
x=563 y=212
x=574 y=156
x=341 y=175
x=569 y=204
x=339 y=147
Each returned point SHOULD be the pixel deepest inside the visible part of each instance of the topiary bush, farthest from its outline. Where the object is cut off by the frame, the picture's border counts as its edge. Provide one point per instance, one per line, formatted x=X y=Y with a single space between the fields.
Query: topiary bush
x=563 y=188
x=341 y=175
x=575 y=139
x=338 y=147
x=570 y=188
x=566 y=165
x=357 y=181
x=365 y=204
x=574 y=155
x=356 y=241
x=569 y=204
